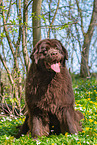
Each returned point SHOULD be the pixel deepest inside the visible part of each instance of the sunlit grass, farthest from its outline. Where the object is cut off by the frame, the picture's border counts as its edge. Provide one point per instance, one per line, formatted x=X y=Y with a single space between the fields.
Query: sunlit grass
x=85 y=100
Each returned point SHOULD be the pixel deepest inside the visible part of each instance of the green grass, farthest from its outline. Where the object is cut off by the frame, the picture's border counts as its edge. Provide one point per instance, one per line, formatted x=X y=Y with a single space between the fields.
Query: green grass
x=85 y=100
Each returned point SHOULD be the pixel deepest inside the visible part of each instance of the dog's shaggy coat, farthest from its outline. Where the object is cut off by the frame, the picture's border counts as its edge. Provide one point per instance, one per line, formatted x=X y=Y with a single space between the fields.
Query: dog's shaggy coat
x=49 y=94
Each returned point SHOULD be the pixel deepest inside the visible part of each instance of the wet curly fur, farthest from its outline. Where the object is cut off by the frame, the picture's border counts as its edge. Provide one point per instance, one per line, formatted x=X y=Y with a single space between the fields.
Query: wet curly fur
x=49 y=94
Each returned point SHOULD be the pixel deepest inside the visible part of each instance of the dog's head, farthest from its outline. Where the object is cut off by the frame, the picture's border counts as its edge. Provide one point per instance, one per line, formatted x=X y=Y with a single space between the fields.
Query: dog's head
x=51 y=52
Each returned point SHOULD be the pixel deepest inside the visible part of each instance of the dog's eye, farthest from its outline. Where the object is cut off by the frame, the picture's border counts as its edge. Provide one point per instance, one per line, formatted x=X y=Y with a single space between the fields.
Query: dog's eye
x=59 y=50
x=56 y=48
x=44 y=52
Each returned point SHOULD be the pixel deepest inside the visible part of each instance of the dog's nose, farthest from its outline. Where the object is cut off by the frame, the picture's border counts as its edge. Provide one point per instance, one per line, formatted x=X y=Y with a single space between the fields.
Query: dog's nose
x=54 y=53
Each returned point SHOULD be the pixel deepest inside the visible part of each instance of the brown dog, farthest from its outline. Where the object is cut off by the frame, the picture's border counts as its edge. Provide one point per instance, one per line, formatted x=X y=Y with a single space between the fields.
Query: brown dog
x=49 y=94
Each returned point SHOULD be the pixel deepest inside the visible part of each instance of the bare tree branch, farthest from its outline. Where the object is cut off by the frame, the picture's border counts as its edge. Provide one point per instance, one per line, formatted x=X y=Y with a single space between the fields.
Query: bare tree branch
x=80 y=13
x=8 y=13
x=53 y=18
x=9 y=76
x=20 y=27
x=6 y=32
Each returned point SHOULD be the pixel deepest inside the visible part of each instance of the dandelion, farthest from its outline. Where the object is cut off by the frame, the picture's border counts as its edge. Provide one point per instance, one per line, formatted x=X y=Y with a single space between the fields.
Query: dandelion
x=95 y=122
x=87 y=128
x=89 y=92
x=95 y=103
x=95 y=91
x=79 y=143
x=88 y=111
x=91 y=120
x=91 y=102
x=84 y=108
x=89 y=99
x=83 y=131
x=84 y=115
x=66 y=134
x=52 y=126
x=77 y=104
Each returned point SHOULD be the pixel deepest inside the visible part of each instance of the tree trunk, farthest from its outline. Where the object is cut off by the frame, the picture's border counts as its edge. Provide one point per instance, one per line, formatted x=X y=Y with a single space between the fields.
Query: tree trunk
x=24 y=35
x=36 y=9
x=84 y=69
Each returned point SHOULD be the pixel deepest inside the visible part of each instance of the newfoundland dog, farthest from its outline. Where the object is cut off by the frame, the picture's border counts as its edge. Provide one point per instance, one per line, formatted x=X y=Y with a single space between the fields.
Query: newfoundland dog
x=49 y=94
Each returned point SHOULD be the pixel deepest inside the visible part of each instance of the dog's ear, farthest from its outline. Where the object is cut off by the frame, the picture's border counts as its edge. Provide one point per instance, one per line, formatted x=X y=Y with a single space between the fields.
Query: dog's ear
x=34 y=55
x=64 y=50
x=31 y=55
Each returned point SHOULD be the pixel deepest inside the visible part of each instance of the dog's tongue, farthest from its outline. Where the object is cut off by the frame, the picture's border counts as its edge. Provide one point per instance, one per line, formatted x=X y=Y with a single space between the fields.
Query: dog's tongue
x=56 y=67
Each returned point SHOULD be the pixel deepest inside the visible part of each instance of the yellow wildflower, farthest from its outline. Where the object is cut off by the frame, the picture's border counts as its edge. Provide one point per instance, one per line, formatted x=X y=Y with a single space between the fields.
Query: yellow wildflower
x=89 y=99
x=87 y=128
x=95 y=122
x=89 y=92
x=83 y=131
x=66 y=134
x=95 y=91
x=95 y=103
x=84 y=108
x=91 y=120
x=84 y=114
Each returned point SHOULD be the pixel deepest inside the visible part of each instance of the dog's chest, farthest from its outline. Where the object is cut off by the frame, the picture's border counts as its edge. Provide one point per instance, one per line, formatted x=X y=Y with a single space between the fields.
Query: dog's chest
x=57 y=91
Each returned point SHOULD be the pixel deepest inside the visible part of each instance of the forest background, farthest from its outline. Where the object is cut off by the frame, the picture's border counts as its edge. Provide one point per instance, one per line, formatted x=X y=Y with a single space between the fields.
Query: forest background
x=24 y=22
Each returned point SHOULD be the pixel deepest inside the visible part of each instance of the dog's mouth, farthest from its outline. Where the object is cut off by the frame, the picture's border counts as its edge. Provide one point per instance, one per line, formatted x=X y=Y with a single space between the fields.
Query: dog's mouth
x=55 y=66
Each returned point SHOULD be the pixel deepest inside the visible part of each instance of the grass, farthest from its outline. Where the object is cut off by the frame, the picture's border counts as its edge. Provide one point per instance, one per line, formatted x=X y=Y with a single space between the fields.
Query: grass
x=85 y=100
